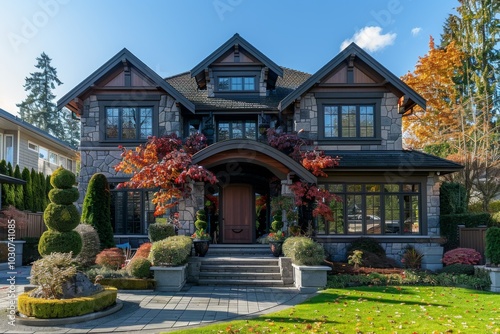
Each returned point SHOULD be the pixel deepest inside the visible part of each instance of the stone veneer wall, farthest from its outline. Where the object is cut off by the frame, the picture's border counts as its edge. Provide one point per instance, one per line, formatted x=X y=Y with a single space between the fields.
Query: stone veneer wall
x=103 y=159
x=306 y=119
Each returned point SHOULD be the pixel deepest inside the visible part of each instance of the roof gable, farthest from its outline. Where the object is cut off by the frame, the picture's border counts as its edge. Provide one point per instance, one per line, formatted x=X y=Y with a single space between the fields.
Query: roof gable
x=112 y=74
x=366 y=71
x=247 y=53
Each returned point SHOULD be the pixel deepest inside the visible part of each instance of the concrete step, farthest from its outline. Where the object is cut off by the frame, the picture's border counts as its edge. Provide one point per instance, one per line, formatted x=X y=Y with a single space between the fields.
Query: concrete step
x=239 y=250
x=231 y=268
x=234 y=261
x=243 y=282
x=229 y=276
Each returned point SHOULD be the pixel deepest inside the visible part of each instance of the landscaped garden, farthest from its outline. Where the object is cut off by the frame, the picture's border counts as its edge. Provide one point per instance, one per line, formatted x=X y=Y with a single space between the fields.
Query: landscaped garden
x=379 y=309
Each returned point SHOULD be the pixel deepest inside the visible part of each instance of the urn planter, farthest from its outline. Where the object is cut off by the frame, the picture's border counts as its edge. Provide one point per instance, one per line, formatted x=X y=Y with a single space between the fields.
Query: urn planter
x=201 y=247
x=170 y=278
x=310 y=278
x=276 y=247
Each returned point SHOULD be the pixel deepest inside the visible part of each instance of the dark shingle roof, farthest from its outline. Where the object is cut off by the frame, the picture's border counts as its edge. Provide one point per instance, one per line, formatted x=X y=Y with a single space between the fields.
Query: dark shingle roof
x=186 y=85
x=403 y=161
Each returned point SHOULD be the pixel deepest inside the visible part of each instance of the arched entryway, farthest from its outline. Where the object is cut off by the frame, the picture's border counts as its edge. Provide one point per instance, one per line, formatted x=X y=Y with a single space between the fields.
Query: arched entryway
x=249 y=173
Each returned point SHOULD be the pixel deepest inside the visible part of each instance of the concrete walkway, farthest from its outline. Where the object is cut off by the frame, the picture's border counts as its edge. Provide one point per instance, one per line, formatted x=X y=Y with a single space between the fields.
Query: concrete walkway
x=154 y=312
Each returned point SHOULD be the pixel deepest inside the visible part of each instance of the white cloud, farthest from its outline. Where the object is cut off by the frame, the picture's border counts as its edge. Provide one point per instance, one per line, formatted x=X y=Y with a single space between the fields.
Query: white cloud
x=371 y=39
x=415 y=31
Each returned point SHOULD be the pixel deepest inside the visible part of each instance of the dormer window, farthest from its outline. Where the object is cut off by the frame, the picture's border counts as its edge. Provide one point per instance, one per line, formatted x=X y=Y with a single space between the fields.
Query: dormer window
x=236 y=84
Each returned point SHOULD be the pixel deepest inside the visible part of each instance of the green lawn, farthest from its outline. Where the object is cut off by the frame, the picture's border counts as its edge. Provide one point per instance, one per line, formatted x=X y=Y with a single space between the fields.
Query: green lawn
x=408 y=309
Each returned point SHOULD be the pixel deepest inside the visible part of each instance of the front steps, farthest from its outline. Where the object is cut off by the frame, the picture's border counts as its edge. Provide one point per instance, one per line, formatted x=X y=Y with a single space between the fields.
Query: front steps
x=245 y=265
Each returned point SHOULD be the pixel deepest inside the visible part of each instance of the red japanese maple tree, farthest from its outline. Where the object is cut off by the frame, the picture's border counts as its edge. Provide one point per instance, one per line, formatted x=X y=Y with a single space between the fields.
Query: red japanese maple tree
x=165 y=164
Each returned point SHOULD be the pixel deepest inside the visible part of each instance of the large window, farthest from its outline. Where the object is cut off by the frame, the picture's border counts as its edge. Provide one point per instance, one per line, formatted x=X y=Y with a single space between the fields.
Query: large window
x=129 y=123
x=349 y=121
x=235 y=84
x=373 y=208
x=131 y=211
x=9 y=149
x=236 y=130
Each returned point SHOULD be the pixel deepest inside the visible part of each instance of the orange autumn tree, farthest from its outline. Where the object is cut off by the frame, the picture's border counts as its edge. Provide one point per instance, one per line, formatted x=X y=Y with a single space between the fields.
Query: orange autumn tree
x=165 y=164
x=433 y=80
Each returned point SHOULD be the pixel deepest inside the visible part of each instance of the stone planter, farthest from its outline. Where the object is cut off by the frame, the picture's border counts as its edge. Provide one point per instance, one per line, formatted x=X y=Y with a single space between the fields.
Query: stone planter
x=310 y=278
x=18 y=244
x=432 y=258
x=494 y=277
x=170 y=278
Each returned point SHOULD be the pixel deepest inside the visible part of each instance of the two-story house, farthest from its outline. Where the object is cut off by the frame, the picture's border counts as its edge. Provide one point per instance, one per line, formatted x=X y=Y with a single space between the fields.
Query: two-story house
x=351 y=108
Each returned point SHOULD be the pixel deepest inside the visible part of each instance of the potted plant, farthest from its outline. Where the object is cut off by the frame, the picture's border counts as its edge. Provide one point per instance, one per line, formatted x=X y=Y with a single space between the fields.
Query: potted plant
x=169 y=258
x=492 y=253
x=276 y=236
x=307 y=257
x=201 y=239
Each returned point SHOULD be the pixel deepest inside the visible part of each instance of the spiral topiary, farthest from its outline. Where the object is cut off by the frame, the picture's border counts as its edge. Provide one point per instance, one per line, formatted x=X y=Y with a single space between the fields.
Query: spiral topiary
x=201 y=220
x=277 y=223
x=61 y=216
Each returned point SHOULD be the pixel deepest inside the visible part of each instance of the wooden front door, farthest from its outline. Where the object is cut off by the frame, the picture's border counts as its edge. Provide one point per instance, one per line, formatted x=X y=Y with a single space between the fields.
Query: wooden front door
x=238 y=214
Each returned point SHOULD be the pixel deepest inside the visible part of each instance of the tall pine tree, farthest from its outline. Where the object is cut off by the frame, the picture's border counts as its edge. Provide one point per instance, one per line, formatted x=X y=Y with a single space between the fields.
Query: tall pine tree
x=11 y=195
x=39 y=108
x=18 y=190
x=5 y=187
x=28 y=190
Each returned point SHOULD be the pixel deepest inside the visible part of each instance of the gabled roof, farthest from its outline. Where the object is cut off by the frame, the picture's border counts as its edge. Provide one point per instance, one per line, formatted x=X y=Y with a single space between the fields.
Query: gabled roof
x=403 y=161
x=123 y=55
x=187 y=86
x=31 y=128
x=241 y=42
x=412 y=96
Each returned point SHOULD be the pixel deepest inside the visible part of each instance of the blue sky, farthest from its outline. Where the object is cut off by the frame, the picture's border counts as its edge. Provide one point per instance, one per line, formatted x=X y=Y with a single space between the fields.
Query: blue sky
x=173 y=36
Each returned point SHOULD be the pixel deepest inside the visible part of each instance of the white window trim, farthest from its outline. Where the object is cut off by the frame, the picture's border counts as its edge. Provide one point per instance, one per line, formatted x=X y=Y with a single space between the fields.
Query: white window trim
x=29 y=148
x=5 y=148
x=46 y=149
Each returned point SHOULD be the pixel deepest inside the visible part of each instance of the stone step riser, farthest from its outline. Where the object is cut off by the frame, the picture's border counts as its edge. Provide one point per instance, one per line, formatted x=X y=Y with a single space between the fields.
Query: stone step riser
x=241 y=282
x=274 y=277
x=240 y=269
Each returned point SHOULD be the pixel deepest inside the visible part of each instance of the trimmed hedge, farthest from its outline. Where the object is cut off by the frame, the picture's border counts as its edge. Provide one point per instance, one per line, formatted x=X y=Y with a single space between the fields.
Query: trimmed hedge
x=126 y=283
x=62 y=242
x=61 y=217
x=64 y=196
x=160 y=231
x=172 y=251
x=63 y=308
x=62 y=179
x=303 y=251
x=449 y=226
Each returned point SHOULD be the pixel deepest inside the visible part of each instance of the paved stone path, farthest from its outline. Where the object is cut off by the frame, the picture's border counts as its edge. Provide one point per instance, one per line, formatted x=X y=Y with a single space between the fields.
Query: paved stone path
x=154 y=312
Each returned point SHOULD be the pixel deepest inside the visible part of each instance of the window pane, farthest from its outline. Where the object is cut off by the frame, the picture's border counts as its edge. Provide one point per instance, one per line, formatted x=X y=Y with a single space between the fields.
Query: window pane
x=112 y=121
x=392 y=214
x=133 y=212
x=146 y=117
x=366 y=121
x=349 y=121
x=9 y=149
x=250 y=130
x=223 y=131
x=69 y=165
x=52 y=158
x=411 y=213
x=43 y=153
x=373 y=188
x=249 y=83
x=411 y=188
x=372 y=217
x=391 y=188
x=236 y=130
x=224 y=83
x=331 y=121
x=128 y=123
x=237 y=83
x=354 y=214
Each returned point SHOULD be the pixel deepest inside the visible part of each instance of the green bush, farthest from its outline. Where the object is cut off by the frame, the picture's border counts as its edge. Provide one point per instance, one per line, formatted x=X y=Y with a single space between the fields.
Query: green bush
x=90 y=245
x=494 y=206
x=303 y=251
x=96 y=209
x=492 y=250
x=64 y=196
x=452 y=198
x=50 y=273
x=160 y=231
x=63 y=308
x=496 y=218
x=19 y=190
x=97 y=272
x=139 y=268
x=28 y=190
x=201 y=220
x=172 y=251
x=129 y=283
x=366 y=244
x=62 y=242
x=458 y=268
x=61 y=217
x=449 y=226
x=62 y=179
x=277 y=223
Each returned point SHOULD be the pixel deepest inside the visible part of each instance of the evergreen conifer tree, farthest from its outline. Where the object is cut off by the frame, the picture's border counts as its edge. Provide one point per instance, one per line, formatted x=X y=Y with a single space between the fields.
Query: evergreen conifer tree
x=28 y=190
x=35 y=185
x=96 y=209
x=18 y=190
x=11 y=197
x=5 y=187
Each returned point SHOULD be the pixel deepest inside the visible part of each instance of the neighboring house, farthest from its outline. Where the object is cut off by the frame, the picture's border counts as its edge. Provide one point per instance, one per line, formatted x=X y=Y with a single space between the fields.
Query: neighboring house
x=27 y=146
x=352 y=108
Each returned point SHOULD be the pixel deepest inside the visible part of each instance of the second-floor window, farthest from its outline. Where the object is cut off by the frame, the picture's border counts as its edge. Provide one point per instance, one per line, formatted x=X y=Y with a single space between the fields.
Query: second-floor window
x=231 y=84
x=349 y=121
x=236 y=130
x=129 y=123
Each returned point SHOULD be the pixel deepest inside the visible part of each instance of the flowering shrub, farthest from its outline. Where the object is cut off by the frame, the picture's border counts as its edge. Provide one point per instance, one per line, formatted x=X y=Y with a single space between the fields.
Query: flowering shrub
x=200 y=235
x=276 y=236
x=462 y=255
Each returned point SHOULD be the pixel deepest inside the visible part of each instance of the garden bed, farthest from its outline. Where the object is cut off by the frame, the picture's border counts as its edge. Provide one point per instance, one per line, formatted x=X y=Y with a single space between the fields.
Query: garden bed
x=344 y=268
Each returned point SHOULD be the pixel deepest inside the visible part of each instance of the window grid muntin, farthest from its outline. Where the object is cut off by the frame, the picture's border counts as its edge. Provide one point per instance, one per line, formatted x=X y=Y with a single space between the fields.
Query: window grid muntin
x=236 y=84
x=128 y=123
x=349 y=120
x=400 y=200
x=237 y=129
